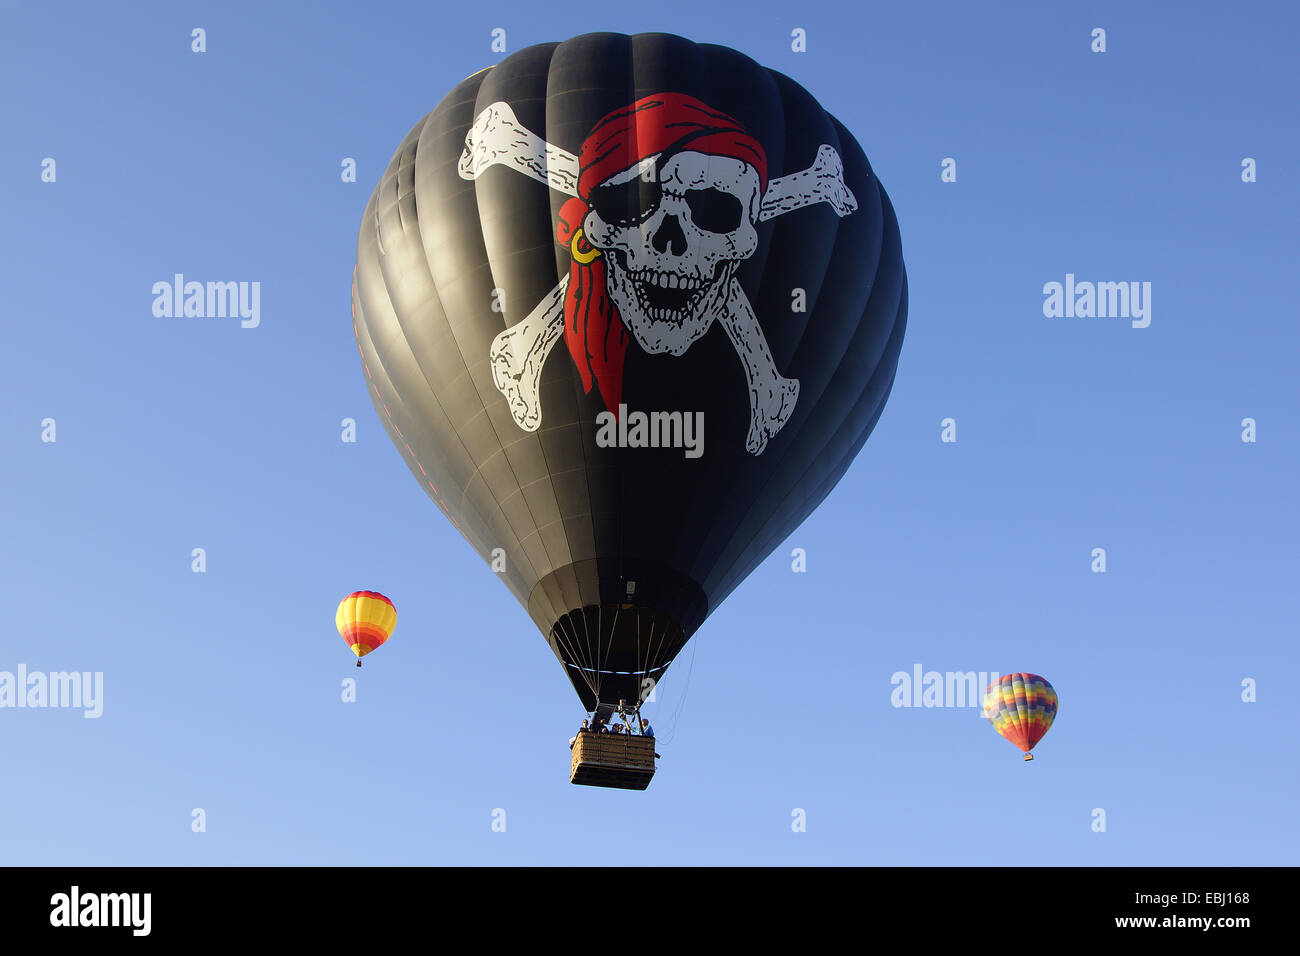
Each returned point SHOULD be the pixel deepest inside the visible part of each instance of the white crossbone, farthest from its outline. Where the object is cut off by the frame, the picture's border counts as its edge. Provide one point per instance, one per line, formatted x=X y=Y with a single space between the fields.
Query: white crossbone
x=771 y=395
x=497 y=138
x=518 y=353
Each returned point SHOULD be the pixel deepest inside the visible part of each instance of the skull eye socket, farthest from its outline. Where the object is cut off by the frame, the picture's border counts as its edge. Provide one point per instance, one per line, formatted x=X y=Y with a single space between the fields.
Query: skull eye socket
x=626 y=204
x=714 y=210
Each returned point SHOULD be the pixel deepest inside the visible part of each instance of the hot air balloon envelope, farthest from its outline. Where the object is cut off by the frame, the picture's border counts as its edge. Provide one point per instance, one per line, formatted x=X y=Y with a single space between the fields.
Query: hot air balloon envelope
x=1022 y=708
x=365 y=620
x=628 y=307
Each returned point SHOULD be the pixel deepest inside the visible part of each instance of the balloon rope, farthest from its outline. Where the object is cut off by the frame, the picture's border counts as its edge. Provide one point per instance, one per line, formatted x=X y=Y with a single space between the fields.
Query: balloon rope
x=563 y=640
x=681 y=694
x=595 y=667
x=583 y=665
x=583 y=662
x=614 y=629
x=590 y=670
x=599 y=631
x=653 y=657
x=649 y=645
x=639 y=668
x=604 y=651
x=638 y=659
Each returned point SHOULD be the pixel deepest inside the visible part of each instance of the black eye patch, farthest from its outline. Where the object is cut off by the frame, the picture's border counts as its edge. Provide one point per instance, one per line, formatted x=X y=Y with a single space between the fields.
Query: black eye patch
x=627 y=204
x=713 y=210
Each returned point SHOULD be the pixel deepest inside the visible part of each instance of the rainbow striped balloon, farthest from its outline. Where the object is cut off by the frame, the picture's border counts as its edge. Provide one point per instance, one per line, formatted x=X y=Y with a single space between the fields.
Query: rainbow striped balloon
x=365 y=620
x=1022 y=708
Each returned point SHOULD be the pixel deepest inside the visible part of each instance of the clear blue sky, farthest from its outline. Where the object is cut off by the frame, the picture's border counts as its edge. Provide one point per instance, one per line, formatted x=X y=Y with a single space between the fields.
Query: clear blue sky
x=222 y=690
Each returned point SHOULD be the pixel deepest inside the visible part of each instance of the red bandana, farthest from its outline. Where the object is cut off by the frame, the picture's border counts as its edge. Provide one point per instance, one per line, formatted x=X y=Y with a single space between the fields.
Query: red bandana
x=664 y=122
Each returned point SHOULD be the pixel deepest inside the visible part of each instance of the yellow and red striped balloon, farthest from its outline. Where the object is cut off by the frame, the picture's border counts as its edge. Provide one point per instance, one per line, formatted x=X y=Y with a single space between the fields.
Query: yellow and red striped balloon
x=1022 y=708
x=365 y=620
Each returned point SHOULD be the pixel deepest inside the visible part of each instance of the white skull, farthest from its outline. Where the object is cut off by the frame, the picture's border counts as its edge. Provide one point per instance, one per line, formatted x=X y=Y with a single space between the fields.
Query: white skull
x=669 y=273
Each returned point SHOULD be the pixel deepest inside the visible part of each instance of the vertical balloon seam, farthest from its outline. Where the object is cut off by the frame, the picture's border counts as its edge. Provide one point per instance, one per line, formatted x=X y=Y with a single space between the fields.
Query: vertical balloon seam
x=656 y=658
x=381 y=399
x=389 y=418
x=478 y=187
x=630 y=96
x=1022 y=710
x=754 y=554
x=476 y=466
x=773 y=535
x=387 y=398
x=588 y=664
x=393 y=398
x=780 y=451
x=593 y=658
x=815 y=460
x=372 y=218
x=554 y=613
x=422 y=209
x=738 y=554
x=738 y=572
x=780 y=91
x=390 y=394
x=690 y=561
x=463 y=511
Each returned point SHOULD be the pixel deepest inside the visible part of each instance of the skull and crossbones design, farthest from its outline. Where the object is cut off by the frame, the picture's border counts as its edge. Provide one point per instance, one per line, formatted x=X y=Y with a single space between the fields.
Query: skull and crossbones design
x=666 y=197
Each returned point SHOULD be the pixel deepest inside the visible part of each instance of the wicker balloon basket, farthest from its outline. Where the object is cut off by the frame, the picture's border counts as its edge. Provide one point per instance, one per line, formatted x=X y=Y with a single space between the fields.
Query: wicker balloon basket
x=623 y=761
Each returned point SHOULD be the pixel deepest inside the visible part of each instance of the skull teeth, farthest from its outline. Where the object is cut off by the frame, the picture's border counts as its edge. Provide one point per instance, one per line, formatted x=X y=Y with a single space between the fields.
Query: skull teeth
x=668 y=280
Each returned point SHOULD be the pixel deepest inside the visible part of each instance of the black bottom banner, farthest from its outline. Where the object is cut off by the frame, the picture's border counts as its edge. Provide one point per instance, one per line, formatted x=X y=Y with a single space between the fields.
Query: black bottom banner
x=1226 y=905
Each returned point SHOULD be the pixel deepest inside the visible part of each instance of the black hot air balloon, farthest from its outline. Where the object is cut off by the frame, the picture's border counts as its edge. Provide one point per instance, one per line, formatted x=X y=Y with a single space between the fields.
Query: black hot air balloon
x=628 y=307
